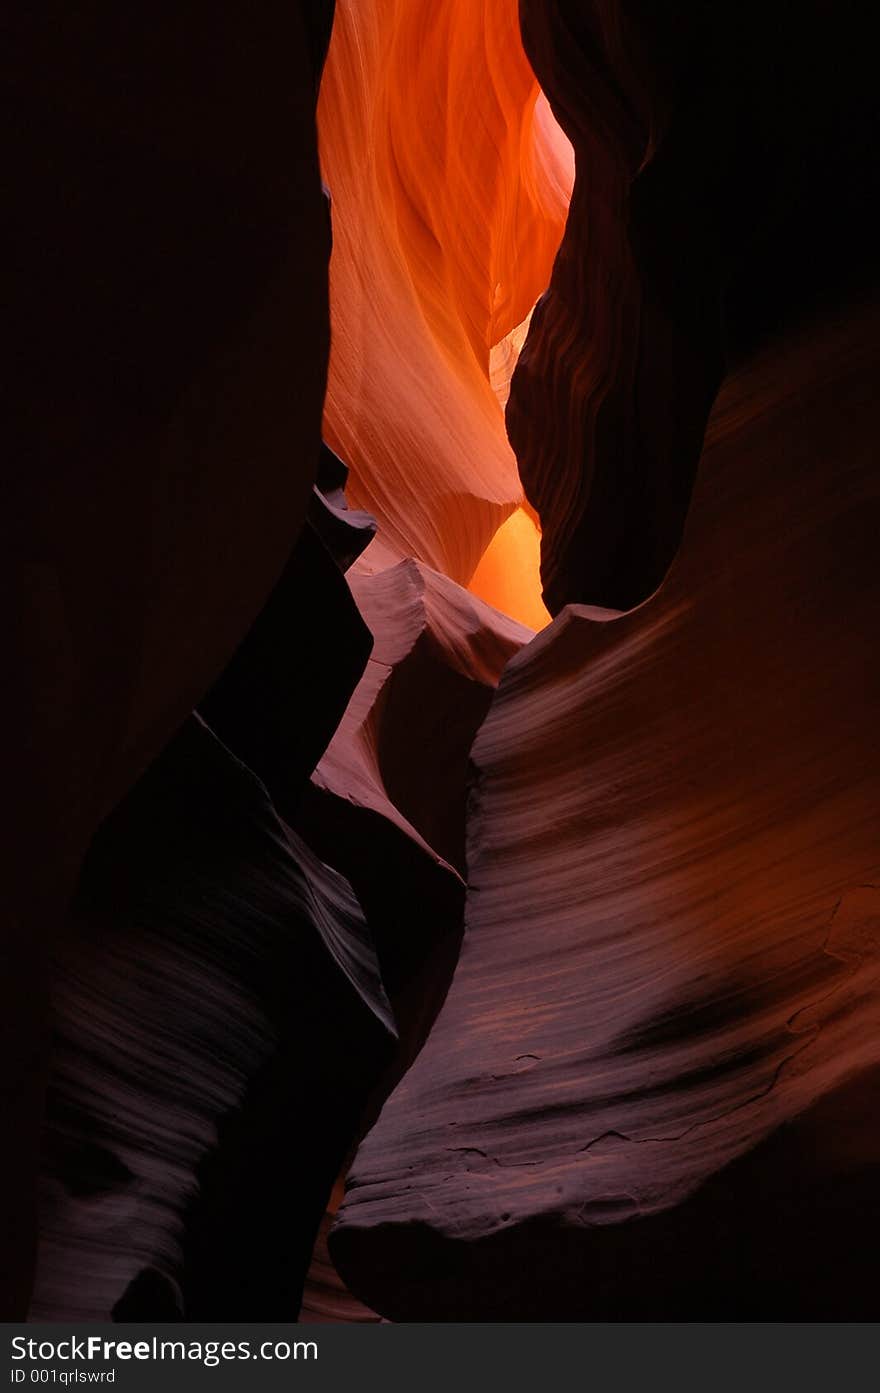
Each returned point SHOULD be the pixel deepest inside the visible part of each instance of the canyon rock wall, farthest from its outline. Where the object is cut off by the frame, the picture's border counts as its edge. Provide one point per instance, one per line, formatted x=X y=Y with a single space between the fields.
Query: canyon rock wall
x=330 y=863
x=652 y=1089
x=724 y=190
x=219 y=1020
x=449 y=186
x=168 y=310
x=223 y=1027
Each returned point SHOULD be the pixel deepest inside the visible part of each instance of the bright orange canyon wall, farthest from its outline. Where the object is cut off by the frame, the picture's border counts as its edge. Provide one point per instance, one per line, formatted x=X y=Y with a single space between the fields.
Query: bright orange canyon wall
x=450 y=182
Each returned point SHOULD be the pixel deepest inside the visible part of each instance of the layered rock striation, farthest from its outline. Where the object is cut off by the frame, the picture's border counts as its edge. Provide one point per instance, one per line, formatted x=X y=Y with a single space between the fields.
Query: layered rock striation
x=652 y=1089
x=562 y=946
x=450 y=184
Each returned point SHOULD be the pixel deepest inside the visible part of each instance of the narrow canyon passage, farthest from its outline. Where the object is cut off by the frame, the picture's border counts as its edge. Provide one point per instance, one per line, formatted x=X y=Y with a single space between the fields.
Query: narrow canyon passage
x=444 y=877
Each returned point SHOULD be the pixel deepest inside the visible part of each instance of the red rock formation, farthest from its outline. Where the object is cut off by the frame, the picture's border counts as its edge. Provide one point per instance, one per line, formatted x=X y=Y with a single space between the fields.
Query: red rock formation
x=387 y=807
x=449 y=185
x=387 y=801
x=652 y=1089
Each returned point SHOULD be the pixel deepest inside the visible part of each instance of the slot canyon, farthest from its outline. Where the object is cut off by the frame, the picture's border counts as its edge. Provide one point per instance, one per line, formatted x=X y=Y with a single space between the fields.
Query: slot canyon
x=442 y=858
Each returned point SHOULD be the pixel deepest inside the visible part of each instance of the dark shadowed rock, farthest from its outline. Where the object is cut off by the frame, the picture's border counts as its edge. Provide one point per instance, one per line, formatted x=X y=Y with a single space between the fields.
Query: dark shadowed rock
x=702 y=136
x=168 y=249
x=279 y=700
x=220 y=1023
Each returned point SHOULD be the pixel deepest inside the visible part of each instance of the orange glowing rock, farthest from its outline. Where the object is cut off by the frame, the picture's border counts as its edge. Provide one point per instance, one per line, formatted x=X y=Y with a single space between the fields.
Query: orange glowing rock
x=450 y=183
x=508 y=575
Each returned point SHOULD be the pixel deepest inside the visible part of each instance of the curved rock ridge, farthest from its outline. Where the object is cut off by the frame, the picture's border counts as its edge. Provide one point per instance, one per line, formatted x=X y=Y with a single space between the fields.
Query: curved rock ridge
x=450 y=182
x=220 y=1022
x=652 y=1089
x=612 y=389
x=694 y=231
x=387 y=800
x=387 y=806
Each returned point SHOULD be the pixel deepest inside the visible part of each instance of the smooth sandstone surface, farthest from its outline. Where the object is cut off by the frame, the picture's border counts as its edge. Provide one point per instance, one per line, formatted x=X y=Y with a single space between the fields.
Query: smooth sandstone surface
x=652 y=1088
x=449 y=183
x=563 y=944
